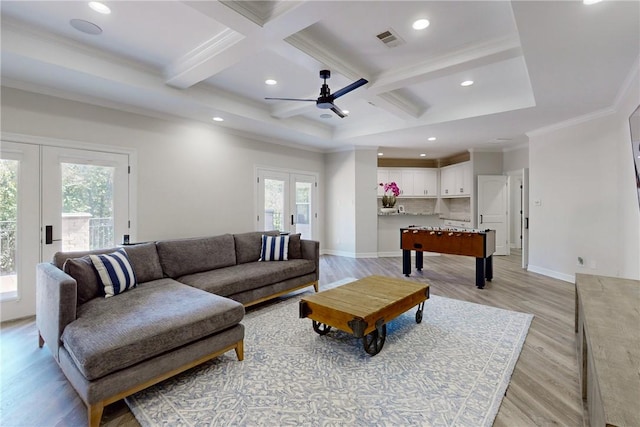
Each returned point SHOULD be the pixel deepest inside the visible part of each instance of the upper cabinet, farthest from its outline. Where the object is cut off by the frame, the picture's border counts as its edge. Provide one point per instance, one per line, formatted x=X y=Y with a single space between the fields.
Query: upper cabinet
x=413 y=182
x=456 y=180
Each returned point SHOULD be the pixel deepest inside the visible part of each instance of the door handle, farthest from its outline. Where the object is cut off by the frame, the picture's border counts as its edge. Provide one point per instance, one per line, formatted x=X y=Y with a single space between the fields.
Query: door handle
x=292 y=223
x=48 y=235
x=526 y=223
x=480 y=219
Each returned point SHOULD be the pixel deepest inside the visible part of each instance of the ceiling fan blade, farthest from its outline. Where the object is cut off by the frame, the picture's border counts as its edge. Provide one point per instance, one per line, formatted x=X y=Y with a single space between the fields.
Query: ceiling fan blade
x=347 y=89
x=291 y=99
x=338 y=111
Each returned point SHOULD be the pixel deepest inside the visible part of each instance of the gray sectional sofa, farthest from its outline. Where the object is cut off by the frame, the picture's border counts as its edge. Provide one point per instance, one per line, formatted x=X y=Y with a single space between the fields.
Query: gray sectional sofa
x=185 y=309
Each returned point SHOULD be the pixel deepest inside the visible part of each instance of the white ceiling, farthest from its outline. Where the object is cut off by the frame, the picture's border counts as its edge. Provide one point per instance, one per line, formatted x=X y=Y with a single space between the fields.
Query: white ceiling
x=534 y=64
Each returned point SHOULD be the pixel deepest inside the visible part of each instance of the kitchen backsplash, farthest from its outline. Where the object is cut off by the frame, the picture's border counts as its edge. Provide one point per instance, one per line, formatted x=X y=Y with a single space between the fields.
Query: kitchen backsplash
x=458 y=209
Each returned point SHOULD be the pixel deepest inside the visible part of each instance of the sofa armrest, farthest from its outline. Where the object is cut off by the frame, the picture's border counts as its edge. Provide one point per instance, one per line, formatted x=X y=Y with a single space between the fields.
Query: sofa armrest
x=311 y=250
x=56 y=301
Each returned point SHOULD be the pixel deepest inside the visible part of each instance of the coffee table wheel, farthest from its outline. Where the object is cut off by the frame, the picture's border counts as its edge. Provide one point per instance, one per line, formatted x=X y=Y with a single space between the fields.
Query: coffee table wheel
x=374 y=341
x=321 y=328
x=419 y=312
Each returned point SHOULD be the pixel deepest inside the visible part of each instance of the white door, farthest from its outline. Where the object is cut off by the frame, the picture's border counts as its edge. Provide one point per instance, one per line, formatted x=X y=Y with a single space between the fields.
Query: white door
x=85 y=198
x=19 y=228
x=286 y=202
x=493 y=207
x=525 y=218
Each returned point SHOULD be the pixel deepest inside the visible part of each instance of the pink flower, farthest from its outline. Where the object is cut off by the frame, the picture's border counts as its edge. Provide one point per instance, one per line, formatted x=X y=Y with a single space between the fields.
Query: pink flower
x=391 y=186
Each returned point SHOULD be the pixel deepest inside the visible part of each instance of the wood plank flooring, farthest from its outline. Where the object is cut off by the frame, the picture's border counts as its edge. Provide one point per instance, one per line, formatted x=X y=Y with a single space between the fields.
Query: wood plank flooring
x=544 y=388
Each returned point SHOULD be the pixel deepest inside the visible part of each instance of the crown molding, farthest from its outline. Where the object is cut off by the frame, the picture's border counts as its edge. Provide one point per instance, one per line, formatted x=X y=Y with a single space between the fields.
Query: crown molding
x=571 y=122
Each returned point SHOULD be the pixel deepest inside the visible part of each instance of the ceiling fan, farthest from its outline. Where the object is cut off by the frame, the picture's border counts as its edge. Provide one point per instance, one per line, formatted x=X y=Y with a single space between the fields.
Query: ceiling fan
x=326 y=98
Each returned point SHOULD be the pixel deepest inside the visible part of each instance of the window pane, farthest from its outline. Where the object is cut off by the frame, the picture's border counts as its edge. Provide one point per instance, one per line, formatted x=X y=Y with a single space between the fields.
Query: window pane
x=273 y=204
x=8 y=227
x=303 y=209
x=87 y=207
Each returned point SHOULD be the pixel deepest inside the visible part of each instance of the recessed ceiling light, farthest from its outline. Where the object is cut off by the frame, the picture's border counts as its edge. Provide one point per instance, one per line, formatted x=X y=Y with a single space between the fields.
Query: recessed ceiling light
x=99 y=7
x=423 y=155
x=590 y=2
x=431 y=138
x=270 y=82
x=466 y=83
x=325 y=116
x=85 y=26
x=218 y=119
x=420 y=24
x=380 y=154
x=345 y=111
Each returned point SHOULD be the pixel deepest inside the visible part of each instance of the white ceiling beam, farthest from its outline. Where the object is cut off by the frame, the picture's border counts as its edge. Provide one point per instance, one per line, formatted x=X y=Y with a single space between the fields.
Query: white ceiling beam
x=465 y=59
x=242 y=38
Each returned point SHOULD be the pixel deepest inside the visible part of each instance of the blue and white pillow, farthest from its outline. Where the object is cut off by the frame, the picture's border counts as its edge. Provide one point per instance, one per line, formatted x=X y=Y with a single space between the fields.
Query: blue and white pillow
x=115 y=272
x=274 y=248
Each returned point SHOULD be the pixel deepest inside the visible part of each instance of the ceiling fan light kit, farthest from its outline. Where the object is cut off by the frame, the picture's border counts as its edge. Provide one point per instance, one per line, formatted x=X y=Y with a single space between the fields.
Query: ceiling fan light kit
x=326 y=99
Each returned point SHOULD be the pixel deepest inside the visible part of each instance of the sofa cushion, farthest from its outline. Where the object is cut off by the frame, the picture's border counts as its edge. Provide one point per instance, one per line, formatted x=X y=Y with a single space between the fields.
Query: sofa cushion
x=295 y=247
x=188 y=256
x=248 y=245
x=274 y=248
x=239 y=278
x=86 y=276
x=145 y=261
x=115 y=272
x=154 y=318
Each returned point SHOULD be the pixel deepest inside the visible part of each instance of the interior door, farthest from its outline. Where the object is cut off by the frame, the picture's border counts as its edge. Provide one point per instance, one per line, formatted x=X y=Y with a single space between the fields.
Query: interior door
x=286 y=202
x=525 y=218
x=19 y=228
x=85 y=199
x=493 y=208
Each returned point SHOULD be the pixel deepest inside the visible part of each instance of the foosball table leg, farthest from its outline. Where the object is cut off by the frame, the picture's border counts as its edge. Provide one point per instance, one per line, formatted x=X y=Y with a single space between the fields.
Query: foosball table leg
x=406 y=262
x=480 y=272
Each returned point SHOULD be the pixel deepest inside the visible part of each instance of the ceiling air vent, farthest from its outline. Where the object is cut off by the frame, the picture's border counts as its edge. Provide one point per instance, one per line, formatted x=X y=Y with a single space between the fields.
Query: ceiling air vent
x=390 y=38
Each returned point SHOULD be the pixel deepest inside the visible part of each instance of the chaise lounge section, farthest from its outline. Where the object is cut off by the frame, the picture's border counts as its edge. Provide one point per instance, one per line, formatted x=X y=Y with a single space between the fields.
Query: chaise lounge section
x=185 y=309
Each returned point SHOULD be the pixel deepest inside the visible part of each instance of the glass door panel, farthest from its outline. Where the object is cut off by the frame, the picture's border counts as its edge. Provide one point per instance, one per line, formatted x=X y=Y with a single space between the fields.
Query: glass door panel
x=85 y=200
x=19 y=228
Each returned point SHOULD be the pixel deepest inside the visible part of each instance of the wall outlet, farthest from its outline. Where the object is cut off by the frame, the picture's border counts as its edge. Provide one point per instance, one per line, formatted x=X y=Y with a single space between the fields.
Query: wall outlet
x=592 y=265
x=537 y=202
x=580 y=262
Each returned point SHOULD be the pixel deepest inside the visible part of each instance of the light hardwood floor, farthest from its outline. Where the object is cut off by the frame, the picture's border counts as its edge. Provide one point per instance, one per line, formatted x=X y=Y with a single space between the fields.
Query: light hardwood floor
x=544 y=388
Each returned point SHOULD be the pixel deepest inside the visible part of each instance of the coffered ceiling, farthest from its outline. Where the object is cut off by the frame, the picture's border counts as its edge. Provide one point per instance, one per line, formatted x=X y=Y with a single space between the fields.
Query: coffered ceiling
x=533 y=64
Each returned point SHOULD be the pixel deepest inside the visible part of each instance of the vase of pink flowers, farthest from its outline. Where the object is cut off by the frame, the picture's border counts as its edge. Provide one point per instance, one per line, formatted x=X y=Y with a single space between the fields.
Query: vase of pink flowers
x=391 y=191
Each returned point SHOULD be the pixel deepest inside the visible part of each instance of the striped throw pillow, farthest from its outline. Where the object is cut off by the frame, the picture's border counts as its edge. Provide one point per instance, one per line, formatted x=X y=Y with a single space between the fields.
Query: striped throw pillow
x=115 y=272
x=274 y=248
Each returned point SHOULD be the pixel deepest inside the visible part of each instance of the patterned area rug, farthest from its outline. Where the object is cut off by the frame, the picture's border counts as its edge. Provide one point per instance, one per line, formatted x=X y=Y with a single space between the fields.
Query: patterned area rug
x=450 y=370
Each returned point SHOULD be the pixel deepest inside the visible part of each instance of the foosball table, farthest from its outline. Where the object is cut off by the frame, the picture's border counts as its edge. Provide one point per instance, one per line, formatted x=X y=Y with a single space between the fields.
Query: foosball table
x=480 y=244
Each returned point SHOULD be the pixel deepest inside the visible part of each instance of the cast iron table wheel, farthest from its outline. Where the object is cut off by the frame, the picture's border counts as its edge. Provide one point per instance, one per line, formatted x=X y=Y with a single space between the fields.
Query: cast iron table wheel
x=374 y=341
x=419 y=312
x=321 y=328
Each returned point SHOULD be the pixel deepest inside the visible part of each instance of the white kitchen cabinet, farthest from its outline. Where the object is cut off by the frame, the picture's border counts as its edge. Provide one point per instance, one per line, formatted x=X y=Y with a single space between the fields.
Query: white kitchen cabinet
x=456 y=180
x=412 y=182
x=425 y=183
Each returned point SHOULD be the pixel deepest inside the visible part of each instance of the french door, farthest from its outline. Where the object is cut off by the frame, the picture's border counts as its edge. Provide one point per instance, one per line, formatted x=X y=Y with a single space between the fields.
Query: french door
x=55 y=199
x=84 y=200
x=287 y=202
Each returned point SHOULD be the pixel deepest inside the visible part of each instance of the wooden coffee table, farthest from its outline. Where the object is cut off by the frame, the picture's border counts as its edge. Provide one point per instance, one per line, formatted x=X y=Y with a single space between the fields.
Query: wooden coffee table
x=364 y=307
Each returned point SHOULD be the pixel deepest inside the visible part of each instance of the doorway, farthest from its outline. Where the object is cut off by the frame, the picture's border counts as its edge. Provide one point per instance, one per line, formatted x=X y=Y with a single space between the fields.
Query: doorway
x=55 y=199
x=286 y=202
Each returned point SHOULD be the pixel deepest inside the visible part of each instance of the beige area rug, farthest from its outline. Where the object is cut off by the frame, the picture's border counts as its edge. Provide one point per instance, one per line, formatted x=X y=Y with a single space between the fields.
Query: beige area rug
x=450 y=370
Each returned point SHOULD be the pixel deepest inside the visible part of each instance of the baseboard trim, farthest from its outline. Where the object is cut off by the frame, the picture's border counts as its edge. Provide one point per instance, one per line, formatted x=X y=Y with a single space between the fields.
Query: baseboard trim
x=551 y=273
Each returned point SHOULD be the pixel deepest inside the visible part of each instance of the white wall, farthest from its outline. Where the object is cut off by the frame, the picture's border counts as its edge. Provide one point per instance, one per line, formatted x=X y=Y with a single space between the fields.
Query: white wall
x=583 y=177
x=193 y=179
x=340 y=234
x=366 y=207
